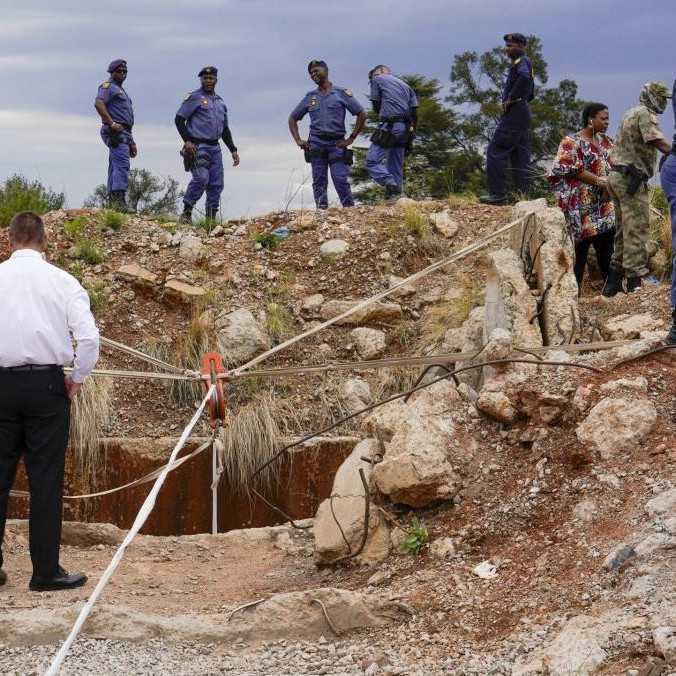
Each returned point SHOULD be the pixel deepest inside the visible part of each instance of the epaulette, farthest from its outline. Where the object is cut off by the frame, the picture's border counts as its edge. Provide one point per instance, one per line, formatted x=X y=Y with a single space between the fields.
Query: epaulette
x=105 y=84
x=518 y=61
x=188 y=95
x=348 y=92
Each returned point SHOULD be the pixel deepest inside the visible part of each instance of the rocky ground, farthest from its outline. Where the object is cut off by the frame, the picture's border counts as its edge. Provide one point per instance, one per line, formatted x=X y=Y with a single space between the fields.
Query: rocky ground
x=541 y=500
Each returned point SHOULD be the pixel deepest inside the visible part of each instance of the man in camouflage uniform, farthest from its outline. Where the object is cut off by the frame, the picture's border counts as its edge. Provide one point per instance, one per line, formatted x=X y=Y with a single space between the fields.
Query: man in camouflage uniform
x=633 y=163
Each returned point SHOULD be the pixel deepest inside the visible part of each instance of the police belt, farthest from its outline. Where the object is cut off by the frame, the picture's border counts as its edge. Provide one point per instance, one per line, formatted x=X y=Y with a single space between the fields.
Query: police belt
x=126 y=127
x=204 y=141
x=329 y=137
x=393 y=119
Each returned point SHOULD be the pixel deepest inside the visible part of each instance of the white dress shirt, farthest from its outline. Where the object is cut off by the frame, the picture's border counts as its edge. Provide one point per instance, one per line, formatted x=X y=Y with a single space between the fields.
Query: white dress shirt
x=42 y=309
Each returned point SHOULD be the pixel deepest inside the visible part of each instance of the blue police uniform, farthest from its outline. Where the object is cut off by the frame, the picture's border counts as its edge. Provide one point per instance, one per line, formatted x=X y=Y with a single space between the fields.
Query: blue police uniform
x=396 y=103
x=511 y=141
x=206 y=119
x=120 y=108
x=327 y=127
x=668 y=180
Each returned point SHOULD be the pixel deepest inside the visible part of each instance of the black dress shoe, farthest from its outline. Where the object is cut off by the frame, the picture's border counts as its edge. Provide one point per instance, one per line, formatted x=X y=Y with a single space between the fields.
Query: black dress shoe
x=62 y=580
x=494 y=199
x=613 y=284
x=3 y=577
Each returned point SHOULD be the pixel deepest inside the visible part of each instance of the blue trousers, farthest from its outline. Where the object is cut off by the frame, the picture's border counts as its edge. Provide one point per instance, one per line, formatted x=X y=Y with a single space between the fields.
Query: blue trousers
x=207 y=175
x=668 y=180
x=386 y=165
x=331 y=160
x=118 y=159
x=509 y=146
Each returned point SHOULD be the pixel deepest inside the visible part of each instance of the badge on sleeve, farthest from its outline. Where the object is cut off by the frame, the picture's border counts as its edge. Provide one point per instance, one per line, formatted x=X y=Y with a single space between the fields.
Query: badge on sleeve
x=105 y=85
x=348 y=92
x=313 y=102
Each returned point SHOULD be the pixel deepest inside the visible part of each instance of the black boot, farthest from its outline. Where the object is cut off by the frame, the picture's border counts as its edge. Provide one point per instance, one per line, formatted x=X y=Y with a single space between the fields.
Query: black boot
x=392 y=192
x=671 y=336
x=495 y=200
x=117 y=200
x=186 y=216
x=613 y=284
x=634 y=284
x=211 y=213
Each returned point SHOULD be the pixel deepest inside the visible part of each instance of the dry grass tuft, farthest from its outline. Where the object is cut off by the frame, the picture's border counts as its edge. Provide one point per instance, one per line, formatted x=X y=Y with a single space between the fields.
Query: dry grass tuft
x=392 y=381
x=251 y=436
x=278 y=321
x=90 y=411
x=449 y=314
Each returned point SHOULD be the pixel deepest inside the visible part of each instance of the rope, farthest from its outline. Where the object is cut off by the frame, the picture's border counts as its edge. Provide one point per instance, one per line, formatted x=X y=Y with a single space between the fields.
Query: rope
x=458 y=255
x=143 y=375
x=146 y=478
x=141 y=518
x=143 y=356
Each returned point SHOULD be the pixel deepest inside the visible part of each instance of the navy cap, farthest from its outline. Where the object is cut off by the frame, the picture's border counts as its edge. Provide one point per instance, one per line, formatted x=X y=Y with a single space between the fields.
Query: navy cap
x=518 y=38
x=316 y=62
x=115 y=64
x=208 y=70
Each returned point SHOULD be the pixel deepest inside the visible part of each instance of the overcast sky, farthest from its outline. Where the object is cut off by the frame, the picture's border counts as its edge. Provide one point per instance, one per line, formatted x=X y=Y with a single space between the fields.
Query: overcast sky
x=54 y=55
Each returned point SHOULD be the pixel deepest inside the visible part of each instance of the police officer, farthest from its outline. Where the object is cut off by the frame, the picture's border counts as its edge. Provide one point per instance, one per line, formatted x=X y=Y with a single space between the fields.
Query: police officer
x=668 y=178
x=327 y=146
x=201 y=121
x=511 y=143
x=117 y=114
x=397 y=108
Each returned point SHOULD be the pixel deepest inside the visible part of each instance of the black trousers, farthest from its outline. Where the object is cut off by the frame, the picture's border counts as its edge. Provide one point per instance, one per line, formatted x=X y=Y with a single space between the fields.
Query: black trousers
x=603 y=244
x=34 y=422
x=508 y=147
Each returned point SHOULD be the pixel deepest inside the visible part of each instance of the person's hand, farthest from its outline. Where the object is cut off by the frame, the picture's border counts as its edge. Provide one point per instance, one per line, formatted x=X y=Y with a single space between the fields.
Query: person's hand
x=133 y=150
x=116 y=127
x=345 y=142
x=72 y=388
x=189 y=148
x=235 y=159
x=302 y=144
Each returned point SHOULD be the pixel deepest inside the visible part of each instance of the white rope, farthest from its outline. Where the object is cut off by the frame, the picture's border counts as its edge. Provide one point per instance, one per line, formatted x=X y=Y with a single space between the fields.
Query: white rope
x=141 y=518
x=458 y=255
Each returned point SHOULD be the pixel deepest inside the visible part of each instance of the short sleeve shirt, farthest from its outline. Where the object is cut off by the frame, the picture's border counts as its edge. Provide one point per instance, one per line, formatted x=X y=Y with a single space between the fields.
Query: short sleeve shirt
x=327 y=111
x=117 y=102
x=206 y=115
x=394 y=95
x=639 y=126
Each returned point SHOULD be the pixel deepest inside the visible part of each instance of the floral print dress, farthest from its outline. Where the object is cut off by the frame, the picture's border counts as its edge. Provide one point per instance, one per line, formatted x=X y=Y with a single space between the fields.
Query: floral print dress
x=588 y=209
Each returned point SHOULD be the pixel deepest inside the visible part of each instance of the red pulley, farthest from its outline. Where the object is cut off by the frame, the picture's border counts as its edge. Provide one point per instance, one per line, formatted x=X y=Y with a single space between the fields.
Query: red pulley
x=212 y=366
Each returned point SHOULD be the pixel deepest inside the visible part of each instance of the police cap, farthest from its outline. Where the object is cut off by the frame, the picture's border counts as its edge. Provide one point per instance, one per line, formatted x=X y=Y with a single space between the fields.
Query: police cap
x=115 y=64
x=314 y=63
x=208 y=70
x=518 y=38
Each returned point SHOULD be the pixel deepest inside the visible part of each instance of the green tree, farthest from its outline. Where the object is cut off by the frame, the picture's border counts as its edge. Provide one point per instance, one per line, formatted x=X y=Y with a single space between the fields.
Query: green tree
x=19 y=194
x=437 y=164
x=475 y=91
x=147 y=194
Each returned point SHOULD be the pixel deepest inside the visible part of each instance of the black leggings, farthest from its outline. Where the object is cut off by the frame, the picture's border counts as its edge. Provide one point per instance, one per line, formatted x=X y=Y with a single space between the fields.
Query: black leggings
x=603 y=246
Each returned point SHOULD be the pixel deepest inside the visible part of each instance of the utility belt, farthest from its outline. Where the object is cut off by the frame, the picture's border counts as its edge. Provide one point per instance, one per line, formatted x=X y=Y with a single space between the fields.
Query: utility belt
x=204 y=141
x=386 y=138
x=330 y=137
x=116 y=137
x=636 y=177
x=323 y=154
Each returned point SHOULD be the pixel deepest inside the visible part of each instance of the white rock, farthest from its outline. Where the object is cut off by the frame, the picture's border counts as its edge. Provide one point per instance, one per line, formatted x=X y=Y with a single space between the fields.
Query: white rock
x=374 y=313
x=333 y=247
x=312 y=305
x=355 y=394
x=582 y=399
x=443 y=222
x=665 y=643
x=485 y=570
x=370 y=343
x=240 y=336
x=576 y=650
x=627 y=327
x=663 y=505
x=191 y=248
x=585 y=510
x=499 y=345
x=617 y=424
x=404 y=291
x=444 y=548
x=496 y=405
x=639 y=384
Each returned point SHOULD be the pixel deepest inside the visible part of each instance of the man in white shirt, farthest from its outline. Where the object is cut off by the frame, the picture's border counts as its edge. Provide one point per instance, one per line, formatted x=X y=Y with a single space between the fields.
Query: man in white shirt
x=43 y=309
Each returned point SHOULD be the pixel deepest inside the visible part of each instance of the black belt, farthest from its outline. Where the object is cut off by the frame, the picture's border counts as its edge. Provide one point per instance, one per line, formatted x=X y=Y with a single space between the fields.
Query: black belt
x=209 y=142
x=396 y=118
x=30 y=367
x=330 y=137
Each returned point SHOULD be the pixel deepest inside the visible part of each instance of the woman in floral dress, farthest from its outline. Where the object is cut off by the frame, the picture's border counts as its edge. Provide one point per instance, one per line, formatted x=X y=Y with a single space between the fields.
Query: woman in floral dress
x=579 y=177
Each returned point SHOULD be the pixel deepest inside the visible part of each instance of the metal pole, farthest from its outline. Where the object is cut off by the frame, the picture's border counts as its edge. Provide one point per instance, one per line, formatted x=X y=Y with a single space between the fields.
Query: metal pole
x=214 y=490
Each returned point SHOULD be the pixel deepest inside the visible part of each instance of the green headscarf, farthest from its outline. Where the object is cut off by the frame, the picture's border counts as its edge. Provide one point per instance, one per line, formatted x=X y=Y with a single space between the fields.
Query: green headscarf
x=654 y=96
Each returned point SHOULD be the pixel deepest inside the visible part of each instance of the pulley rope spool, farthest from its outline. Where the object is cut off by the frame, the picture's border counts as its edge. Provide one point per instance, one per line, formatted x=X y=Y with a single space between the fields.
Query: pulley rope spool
x=211 y=367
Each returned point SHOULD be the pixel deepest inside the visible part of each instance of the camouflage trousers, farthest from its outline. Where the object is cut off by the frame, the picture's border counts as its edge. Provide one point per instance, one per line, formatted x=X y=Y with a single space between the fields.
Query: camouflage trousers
x=632 y=225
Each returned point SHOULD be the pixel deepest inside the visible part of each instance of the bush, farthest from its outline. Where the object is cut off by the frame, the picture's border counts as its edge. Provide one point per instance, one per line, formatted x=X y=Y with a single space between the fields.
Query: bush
x=109 y=219
x=19 y=194
x=416 y=538
x=267 y=240
x=87 y=251
x=76 y=226
x=98 y=296
x=278 y=321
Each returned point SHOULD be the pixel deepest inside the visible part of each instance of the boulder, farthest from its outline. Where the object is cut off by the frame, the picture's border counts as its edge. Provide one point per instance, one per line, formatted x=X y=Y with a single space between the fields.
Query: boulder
x=370 y=343
x=419 y=436
x=520 y=234
x=404 y=291
x=312 y=305
x=617 y=424
x=664 y=639
x=625 y=385
x=467 y=338
x=185 y=293
x=355 y=394
x=499 y=345
x=576 y=650
x=240 y=336
x=444 y=224
x=375 y=313
x=333 y=247
x=138 y=275
x=628 y=327
x=192 y=249
x=496 y=405
x=444 y=548
x=663 y=505
x=509 y=302
x=339 y=522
